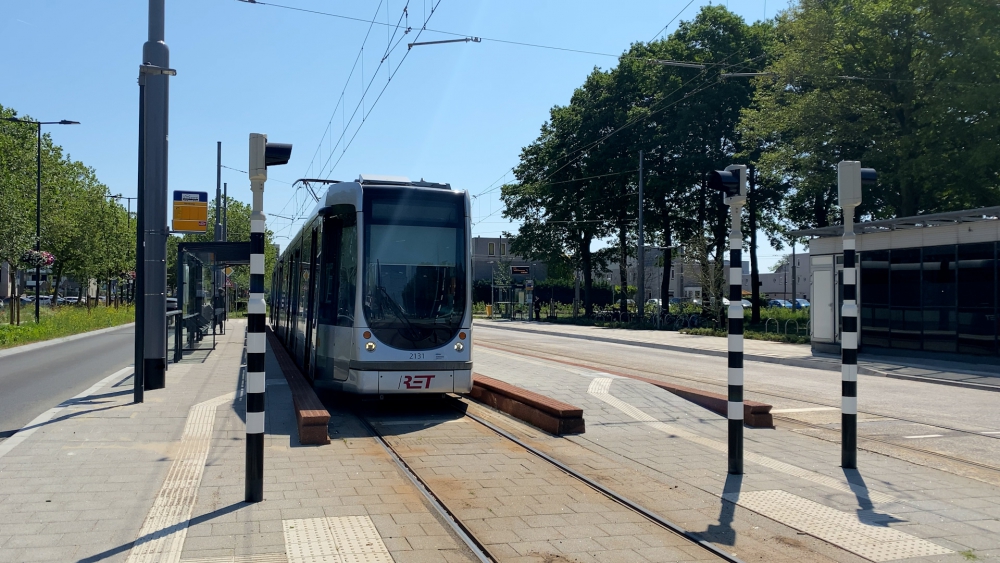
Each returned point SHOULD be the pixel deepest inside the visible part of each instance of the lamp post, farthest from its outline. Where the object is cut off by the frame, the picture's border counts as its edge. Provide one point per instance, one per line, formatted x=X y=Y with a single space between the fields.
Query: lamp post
x=38 y=194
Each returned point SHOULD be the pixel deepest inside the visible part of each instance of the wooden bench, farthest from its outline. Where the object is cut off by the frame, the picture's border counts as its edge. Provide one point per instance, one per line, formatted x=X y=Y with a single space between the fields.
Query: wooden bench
x=538 y=410
x=310 y=414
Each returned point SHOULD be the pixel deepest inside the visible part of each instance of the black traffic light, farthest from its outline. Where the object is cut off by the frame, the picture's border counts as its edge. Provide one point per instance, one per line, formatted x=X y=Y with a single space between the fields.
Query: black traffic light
x=869 y=177
x=276 y=154
x=725 y=181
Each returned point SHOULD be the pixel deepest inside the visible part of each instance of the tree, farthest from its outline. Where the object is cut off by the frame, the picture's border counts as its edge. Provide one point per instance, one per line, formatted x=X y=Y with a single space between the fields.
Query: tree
x=908 y=87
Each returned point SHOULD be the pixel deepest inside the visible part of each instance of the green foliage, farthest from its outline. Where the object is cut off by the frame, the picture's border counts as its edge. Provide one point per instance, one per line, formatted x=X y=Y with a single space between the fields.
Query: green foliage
x=908 y=87
x=749 y=335
x=56 y=322
x=87 y=231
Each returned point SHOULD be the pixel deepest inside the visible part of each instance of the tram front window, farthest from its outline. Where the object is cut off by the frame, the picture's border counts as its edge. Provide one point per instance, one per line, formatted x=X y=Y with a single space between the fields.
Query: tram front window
x=415 y=273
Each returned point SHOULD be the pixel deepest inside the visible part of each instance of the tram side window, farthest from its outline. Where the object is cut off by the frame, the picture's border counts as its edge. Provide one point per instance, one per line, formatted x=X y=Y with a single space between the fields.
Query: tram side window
x=347 y=276
x=327 y=301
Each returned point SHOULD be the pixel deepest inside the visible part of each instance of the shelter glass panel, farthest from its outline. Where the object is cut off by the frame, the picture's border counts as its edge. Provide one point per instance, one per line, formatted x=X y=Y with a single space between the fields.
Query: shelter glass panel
x=939 y=269
x=875 y=278
x=977 y=330
x=904 y=277
x=905 y=327
x=976 y=276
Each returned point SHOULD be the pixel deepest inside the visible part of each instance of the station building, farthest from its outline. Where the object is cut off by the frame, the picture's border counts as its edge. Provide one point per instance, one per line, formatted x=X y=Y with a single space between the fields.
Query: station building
x=927 y=286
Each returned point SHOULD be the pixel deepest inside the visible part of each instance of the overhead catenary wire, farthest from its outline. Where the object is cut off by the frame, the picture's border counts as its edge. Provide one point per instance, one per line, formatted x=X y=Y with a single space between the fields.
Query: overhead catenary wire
x=453 y=33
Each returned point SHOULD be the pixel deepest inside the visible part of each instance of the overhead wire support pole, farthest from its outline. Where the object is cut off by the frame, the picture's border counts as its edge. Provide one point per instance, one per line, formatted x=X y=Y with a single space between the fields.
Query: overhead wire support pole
x=154 y=77
x=640 y=298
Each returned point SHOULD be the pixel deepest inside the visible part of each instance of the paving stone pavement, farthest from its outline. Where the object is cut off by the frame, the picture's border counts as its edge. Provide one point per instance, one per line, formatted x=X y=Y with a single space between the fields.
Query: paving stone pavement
x=947 y=510
x=82 y=485
x=521 y=507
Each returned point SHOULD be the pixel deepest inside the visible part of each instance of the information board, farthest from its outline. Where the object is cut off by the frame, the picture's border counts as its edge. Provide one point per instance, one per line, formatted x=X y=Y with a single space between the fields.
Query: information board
x=190 y=212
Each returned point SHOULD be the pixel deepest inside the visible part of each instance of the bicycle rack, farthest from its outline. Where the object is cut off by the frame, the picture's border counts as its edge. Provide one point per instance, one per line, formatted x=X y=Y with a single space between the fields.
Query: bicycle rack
x=768 y=323
x=786 y=326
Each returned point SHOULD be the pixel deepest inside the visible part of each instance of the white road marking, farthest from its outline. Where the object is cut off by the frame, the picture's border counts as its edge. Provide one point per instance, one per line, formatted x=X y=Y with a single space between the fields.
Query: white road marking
x=161 y=538
x=809 y=409
x=600 y=388
x=869 y=539
x=28 y=429
x=335 y=539
x=923 y=436
x=989 y=432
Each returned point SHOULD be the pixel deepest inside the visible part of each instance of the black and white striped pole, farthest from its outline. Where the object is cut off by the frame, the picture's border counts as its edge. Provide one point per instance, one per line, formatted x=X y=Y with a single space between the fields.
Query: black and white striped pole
x=262 y=154
x=732 y=182
x=850 y=178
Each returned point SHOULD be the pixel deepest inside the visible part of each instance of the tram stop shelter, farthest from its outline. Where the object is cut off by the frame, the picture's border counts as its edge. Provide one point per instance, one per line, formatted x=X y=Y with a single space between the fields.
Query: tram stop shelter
x=196 y=316
x=928 y=286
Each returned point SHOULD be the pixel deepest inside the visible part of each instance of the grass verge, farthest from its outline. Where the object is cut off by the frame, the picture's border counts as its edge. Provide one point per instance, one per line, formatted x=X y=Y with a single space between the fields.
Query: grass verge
x=750 y=335
x=56 y=322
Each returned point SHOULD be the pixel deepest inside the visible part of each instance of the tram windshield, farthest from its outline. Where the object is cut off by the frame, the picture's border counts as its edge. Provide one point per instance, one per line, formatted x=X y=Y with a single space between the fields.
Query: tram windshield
x=414 y=284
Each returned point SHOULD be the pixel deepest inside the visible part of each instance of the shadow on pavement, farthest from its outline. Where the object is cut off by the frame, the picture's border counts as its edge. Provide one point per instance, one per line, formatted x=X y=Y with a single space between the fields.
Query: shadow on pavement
x=165 y=531
x=723 y=532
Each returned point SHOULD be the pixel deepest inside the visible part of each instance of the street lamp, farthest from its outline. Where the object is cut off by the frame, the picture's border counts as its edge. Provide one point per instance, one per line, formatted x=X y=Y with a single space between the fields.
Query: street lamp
x=38 y=195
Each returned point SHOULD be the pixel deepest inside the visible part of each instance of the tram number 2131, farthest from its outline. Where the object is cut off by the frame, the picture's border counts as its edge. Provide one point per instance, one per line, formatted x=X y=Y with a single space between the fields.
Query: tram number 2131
x=416 y=381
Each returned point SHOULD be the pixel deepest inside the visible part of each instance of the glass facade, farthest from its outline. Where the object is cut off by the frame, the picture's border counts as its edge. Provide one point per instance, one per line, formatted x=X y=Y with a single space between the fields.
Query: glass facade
x=939 y=299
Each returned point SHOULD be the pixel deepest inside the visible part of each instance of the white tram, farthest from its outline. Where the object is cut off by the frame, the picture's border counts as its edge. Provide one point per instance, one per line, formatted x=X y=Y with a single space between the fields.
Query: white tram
x=374 y=293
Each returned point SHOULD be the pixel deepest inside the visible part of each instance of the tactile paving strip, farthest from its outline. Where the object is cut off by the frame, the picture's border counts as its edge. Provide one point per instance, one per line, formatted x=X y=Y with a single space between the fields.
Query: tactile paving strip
x=870 y=540
x=336 y=539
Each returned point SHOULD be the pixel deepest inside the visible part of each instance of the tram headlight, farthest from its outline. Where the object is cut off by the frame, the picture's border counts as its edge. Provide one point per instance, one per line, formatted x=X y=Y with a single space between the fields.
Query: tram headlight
x=459 y=347
x=370 y=346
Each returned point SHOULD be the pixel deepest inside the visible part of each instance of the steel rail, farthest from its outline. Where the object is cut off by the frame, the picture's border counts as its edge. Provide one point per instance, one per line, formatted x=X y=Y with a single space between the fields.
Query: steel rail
x=478 y=549
x=655 y=518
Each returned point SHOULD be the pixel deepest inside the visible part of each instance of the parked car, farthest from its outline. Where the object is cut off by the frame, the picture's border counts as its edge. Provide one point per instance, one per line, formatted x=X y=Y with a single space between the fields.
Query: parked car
x=779 y=303
x=801 y=304
x=171 y=303
x=654 y=302
x=746 y=303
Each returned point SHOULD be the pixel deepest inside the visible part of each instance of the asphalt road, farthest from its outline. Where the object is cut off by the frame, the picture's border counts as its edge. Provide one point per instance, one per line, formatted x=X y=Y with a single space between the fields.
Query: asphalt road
x=959 y=422
x=34 y=381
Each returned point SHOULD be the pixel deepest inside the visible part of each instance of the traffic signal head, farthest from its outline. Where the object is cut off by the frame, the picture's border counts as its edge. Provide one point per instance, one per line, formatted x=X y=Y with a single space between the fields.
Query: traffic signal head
x=276 y=154
x=264 y=154
x=850 y=177
x=732 y=181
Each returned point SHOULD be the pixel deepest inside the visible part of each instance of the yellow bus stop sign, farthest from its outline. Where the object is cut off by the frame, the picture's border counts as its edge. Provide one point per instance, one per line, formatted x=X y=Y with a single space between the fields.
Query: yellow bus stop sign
x=190 y=212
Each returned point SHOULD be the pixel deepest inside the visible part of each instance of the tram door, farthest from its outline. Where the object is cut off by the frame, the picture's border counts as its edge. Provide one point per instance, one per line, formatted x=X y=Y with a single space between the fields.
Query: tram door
x=341 y=278
x=307 y=356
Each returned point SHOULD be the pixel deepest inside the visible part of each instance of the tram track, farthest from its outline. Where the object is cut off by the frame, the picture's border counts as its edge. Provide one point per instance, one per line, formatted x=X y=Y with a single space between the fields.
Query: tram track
x=480 y=548
x=722 y=387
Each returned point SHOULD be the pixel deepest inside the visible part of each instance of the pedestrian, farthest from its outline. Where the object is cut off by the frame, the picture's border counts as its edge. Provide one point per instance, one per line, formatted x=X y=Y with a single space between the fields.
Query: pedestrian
x=219 y=309
x=538 y=309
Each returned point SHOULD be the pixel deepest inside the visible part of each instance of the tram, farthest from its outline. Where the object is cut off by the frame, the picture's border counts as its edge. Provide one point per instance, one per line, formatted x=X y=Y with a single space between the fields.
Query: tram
x=373 y=295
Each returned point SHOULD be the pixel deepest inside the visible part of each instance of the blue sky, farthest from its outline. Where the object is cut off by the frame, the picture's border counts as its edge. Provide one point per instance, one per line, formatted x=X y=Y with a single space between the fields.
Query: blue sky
x=456 y=113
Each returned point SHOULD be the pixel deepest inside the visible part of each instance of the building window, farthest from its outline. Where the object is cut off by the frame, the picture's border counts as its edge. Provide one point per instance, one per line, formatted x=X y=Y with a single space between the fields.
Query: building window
x=492 y=249
x=503 y=249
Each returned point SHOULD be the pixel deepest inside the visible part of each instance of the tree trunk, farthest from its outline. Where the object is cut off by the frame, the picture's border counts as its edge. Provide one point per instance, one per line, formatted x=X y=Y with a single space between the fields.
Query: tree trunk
x=623 y=267
x=668 y=255
x=588 y=278
x=754 y=272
